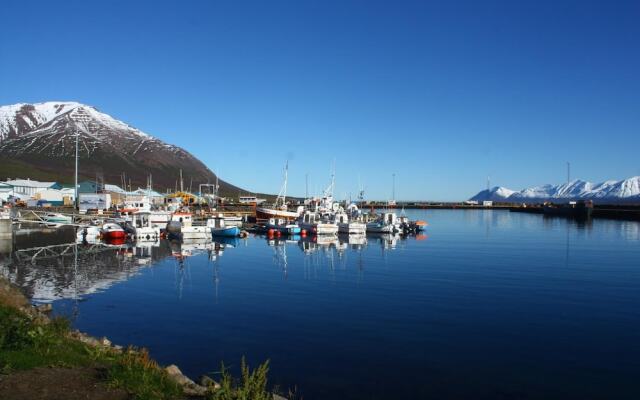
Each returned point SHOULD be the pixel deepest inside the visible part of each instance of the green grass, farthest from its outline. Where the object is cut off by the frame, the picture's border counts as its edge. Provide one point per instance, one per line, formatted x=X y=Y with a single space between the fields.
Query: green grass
x=26 y=344
x=251 y=386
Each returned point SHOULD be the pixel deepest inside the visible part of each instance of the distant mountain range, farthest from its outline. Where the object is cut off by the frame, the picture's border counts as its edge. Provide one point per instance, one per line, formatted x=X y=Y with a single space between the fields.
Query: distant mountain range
x=37 y=141
x=624 y=191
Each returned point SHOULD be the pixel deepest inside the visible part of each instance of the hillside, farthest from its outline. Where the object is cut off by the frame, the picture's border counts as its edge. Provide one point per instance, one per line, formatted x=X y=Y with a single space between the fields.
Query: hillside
x=38 y=141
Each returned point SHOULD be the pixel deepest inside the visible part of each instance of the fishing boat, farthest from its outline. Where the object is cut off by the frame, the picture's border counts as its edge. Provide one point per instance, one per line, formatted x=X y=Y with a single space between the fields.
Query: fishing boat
x=410 y=227
x=349 y=226
x=218 y=227
x=181 y=226
x=143 y=229
x=387 y=223
x=283 y=226
x=279 y=209
x=312 y=223
x=112 y=230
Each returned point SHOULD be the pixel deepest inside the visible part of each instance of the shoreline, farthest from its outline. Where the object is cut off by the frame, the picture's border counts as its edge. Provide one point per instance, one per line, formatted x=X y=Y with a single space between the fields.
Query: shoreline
x=100 y=369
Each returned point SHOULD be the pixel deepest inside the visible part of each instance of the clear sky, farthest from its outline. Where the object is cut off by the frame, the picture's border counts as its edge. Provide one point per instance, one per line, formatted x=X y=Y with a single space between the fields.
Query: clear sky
x=442 y=94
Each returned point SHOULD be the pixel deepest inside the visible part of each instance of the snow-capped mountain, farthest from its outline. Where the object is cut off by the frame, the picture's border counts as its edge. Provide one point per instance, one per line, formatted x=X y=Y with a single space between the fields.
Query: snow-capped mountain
x=38 y=141
x=624 y=191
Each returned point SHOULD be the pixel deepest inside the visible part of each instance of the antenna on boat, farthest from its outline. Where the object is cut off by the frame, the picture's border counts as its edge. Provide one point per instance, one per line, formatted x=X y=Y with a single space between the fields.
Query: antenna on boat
x=306 y=185
x=488 y=183
x=568 y=172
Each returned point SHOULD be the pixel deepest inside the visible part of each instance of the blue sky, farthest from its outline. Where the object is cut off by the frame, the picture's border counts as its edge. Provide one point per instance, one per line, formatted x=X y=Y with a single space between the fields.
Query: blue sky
x=442 y=94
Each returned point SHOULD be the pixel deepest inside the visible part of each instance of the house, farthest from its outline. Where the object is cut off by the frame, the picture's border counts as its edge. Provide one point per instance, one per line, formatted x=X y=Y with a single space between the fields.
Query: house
x=118 y=195
x=153 y=196
x=250 y=200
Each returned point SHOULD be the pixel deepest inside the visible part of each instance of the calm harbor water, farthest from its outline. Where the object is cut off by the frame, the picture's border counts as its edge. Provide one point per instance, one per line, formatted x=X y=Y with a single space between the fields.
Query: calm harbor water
x=489 y=304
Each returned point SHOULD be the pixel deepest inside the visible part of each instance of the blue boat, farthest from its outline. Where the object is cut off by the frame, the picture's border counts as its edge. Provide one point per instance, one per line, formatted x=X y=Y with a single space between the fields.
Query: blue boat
x=218 y=227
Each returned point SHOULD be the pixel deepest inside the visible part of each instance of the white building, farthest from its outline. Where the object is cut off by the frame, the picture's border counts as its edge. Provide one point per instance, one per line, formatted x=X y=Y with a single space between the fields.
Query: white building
x=27 y=187
x=250 y=200
x=52 y=196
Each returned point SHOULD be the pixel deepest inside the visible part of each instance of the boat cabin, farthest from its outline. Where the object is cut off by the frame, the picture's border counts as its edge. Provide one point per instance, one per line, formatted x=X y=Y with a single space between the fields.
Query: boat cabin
x=277 y=221
x=390 y=218
x=310 y=218
x=216 y=222
x=185 y=219
x=141 y=219
x=342 y=218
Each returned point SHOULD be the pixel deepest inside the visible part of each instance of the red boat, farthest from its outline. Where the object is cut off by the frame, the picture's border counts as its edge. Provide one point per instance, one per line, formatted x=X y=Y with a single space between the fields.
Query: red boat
x=111 y=231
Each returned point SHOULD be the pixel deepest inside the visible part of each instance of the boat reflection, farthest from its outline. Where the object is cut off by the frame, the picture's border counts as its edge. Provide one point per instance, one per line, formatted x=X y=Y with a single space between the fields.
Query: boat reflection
x=71 y=270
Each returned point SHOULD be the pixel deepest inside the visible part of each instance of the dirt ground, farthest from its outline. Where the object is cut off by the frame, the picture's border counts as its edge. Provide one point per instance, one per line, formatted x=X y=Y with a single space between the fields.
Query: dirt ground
x=58 y=384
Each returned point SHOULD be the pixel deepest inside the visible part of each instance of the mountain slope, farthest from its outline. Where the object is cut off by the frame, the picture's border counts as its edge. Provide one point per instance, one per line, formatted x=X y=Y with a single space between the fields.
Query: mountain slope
x=38 y=141
x=624 y=191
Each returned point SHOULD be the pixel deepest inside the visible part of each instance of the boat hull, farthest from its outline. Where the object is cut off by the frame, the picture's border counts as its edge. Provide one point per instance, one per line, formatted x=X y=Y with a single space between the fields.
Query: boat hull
x=110 y=235
x=320 y=229
x=229 y=231
x=380 y=228
x=194 y=232
x=267 y=213
x=352 y=228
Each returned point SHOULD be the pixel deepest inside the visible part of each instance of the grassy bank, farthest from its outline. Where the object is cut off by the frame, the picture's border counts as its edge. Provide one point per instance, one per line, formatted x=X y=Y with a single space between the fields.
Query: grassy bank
x=31 y=341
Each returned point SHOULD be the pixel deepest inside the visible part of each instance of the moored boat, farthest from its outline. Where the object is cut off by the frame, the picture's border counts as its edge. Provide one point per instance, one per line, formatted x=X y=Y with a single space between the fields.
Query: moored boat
x=112 y=230
x=387 y=223
x=218 y=227
x=143 y=228
x=349 y=226
x=281 y=225
x=313 y=224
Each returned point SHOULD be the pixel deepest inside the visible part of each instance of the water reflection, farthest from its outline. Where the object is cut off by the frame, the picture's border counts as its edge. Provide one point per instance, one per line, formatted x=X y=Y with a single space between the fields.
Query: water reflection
x=71 y=270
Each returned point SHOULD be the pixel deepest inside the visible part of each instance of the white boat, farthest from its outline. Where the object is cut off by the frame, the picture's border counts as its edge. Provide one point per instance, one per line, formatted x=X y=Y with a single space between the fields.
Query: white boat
x=143 y=228
x=313 y=224
x=388 y=223
x=181 y=227
x=56 y=218
x=349 y=227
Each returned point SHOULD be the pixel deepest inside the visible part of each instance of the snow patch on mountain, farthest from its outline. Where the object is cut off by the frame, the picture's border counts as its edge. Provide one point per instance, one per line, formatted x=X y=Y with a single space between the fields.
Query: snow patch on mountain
x=613 y=191
x=19 y=119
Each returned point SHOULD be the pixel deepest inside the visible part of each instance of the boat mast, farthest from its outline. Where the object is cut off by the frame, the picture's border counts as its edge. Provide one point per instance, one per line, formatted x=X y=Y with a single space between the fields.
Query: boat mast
x=283 y=190
x=393 y=190
x=77 y=203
